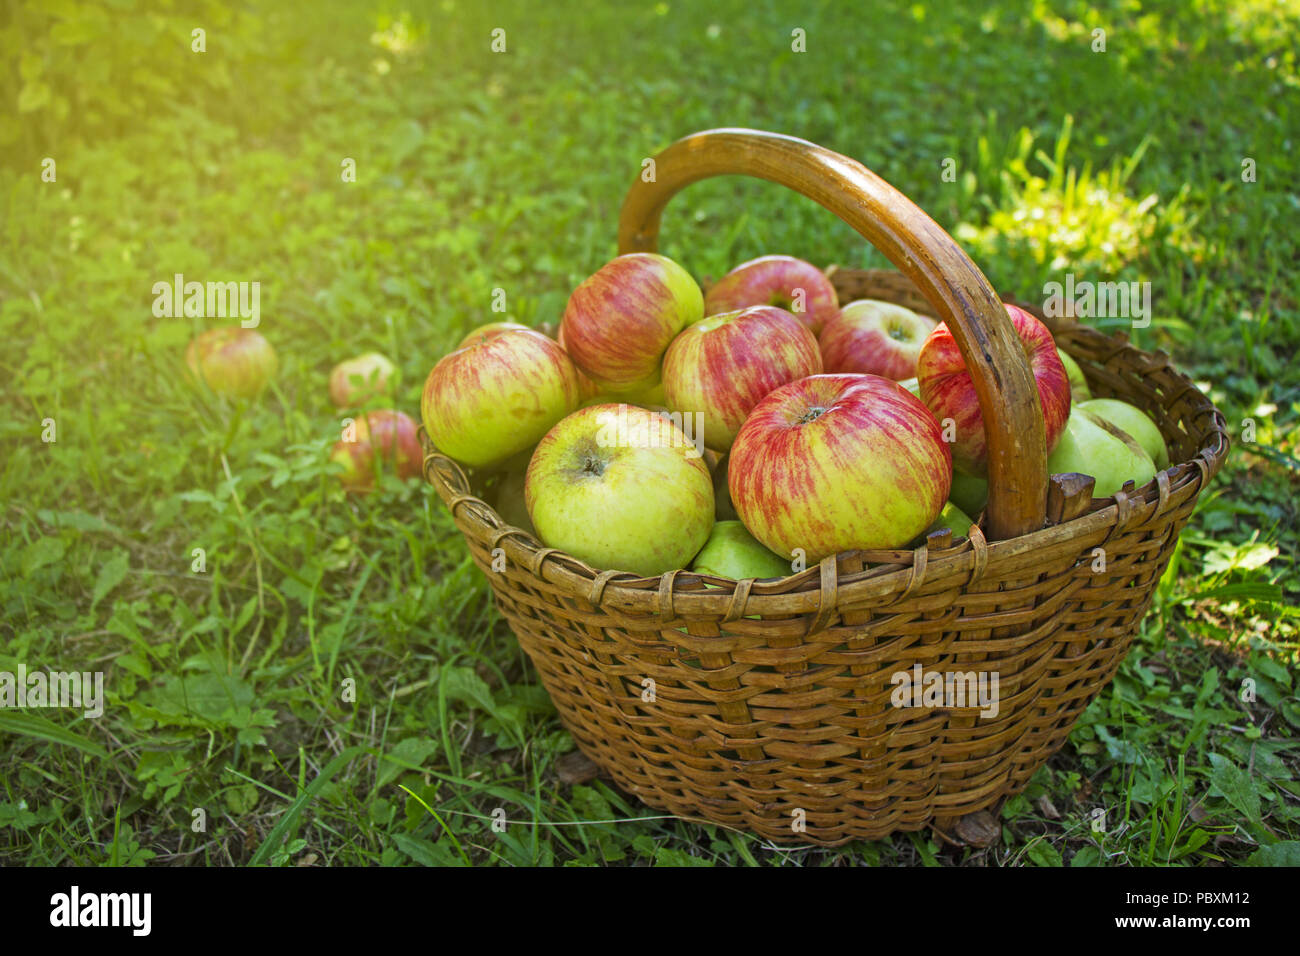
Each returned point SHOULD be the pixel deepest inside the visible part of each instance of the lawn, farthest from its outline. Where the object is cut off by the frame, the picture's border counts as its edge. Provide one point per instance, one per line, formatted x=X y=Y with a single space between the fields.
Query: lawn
x=296 y=676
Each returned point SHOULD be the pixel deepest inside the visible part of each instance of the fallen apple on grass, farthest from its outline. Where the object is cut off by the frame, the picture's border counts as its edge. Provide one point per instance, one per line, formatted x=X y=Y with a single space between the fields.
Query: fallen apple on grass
x=732 y=552
x=722 y=366
x=620 y=487
x=1136 y=422
x=383 y=439
x=232 y=361
x=619 y=322
x=355 y=380
x=875 y=338
x=1092 y=446
x=783 y=281
x=949 y=391
x=831 y=463
x=498 y=396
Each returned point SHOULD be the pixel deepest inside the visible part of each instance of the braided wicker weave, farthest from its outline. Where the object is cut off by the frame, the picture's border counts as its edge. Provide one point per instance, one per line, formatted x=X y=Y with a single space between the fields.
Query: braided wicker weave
x=768 y=706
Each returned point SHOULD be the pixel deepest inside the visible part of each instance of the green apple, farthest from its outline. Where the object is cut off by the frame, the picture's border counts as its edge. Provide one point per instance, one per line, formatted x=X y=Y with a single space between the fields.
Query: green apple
x=510 y=501
x=1079 y=391
x=969 y=493
x=724 y=510
x=1092 y=446
x=913 y=385
x=1136 y=422
x=732 y=552
x=953 y=518
x=620 y=487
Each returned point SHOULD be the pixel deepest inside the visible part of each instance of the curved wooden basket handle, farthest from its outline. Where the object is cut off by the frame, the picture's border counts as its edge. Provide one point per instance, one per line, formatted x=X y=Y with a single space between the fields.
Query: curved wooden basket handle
x=920 y=249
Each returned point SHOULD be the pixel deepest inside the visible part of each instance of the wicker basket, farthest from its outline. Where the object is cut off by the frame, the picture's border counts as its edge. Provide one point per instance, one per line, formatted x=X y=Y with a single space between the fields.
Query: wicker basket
x=771 y=708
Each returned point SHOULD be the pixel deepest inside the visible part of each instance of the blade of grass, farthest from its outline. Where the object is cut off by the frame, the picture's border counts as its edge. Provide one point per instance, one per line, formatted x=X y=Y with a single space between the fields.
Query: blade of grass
x=30 y=725
x=279 y=831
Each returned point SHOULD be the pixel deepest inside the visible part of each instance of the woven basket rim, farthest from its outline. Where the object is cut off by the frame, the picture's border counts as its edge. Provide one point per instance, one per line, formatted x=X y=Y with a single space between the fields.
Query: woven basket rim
x=823 y=587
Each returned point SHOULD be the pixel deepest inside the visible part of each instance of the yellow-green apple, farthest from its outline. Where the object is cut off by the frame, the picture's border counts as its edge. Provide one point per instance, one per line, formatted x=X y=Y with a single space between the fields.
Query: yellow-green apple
x=355 y=380
x=489 y=330
x=732 y=552
x=912 y=385
x=619 y=322
x=647 y=394
x=1079 y=391
x=969 y=493
x=1136 y=422
x=232 y=361
x=620 y=487
x=783 y=281
x=384 y=439
x=723 y=509
x=830 y=463
x=875 y=338
x=1090 y=445
x=949 y=391
x=721 y=366
x=498 y=397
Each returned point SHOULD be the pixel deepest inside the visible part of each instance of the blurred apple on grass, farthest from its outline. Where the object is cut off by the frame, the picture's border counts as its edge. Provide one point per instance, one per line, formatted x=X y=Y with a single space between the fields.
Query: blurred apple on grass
x=232 y=361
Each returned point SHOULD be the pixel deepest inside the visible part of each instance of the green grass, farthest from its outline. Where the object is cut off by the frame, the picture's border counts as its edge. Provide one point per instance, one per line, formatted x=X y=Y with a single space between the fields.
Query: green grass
x=476 y=171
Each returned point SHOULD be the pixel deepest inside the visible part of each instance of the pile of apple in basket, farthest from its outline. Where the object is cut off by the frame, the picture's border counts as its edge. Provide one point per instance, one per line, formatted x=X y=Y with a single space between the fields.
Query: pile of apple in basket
x=752 y=431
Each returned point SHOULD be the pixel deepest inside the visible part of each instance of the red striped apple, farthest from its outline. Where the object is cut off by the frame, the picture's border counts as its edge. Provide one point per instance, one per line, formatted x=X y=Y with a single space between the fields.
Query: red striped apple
x=589 y=391
x=487 y=331
x=874 y=338
x=620 y=321
x=722 y=366
x=357 y=379
x=379 y=439
x=620 y=487
x=783 y=281
x=232 y=361
x=947 y=388
x=831 y=463
x=498 y=397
